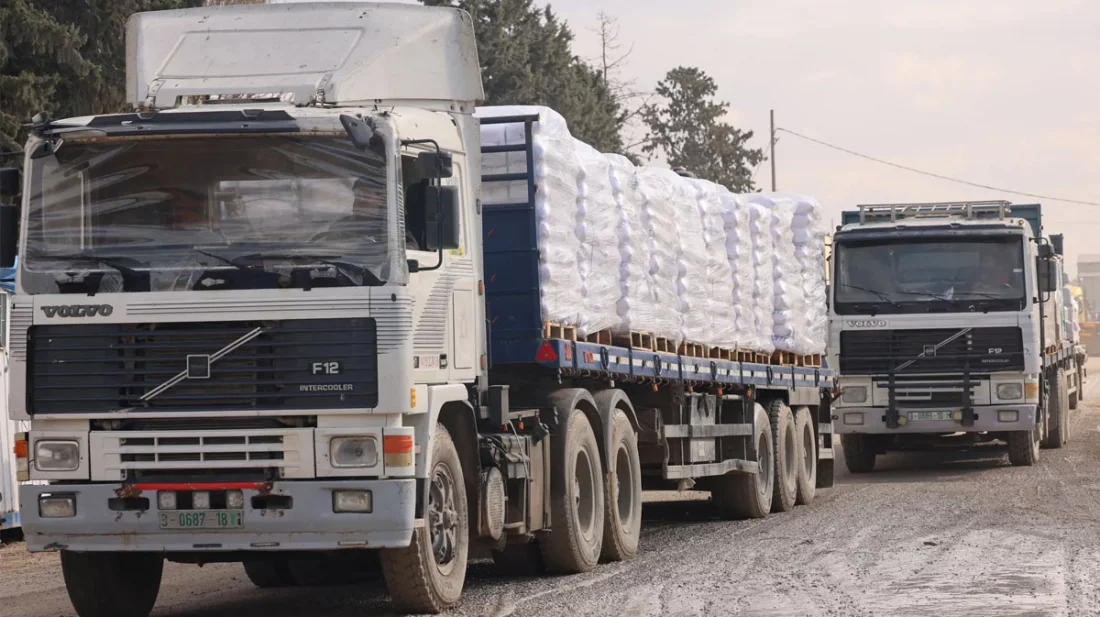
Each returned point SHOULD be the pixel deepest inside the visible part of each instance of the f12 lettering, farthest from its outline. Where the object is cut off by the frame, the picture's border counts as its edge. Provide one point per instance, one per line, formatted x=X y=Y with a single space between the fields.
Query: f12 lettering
x=326 y=368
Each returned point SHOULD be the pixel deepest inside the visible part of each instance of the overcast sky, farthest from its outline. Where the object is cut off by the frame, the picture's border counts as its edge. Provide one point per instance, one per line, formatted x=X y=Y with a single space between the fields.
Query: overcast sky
x=999 y=92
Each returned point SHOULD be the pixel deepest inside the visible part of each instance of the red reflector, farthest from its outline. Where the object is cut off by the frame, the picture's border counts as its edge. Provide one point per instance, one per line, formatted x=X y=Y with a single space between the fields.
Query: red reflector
x=546 y=353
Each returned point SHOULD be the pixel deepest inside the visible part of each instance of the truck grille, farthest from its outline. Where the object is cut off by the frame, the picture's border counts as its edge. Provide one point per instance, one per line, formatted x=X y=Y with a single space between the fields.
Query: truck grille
x=197 y=455
x=981 y=350
x=303 y=364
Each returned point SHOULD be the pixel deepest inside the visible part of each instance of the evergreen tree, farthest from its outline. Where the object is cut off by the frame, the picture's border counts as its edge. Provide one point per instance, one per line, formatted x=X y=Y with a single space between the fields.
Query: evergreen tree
x=66 y=57
x=526 y=59
x=686 y=127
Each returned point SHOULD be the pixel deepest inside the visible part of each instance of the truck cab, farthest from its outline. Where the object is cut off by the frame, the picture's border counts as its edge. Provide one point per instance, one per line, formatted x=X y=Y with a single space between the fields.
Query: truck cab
x=946 y=320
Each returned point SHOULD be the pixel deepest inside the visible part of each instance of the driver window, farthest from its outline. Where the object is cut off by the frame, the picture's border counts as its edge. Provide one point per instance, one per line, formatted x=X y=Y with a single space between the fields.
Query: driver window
x=413 y=184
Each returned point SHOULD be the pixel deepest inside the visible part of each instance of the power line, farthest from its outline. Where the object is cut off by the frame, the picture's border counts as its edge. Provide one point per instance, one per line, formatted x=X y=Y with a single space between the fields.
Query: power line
x=935 y=175
x=761 y=163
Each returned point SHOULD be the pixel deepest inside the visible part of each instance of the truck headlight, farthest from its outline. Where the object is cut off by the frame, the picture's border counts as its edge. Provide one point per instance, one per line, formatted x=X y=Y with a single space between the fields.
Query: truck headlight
x=855 y=394
x=56 y=455
x=353 y=451
x=1010 y=391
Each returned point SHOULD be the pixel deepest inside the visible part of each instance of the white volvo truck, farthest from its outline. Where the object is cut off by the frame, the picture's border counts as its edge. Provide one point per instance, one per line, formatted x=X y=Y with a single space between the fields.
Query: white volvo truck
x=266 y=318
x=947 y=326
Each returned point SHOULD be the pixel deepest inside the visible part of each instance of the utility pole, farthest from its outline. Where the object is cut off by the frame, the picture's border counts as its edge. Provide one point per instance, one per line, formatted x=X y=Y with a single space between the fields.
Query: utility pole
x=771 y=149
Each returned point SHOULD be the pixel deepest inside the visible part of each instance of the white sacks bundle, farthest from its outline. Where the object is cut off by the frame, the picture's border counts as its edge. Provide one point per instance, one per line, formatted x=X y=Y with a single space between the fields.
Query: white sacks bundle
x=721 y=317
x=626 y=248
x=662 y=242
x=556 y=171
x=638 y=302
x=598 y=260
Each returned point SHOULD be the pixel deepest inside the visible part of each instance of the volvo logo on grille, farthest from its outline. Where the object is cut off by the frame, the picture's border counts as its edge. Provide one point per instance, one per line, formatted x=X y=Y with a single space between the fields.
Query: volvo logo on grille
x=78 y=310
x=866 y=323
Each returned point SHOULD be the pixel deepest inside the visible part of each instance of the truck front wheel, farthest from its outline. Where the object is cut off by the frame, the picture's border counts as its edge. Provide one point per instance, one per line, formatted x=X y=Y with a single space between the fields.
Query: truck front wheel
x=1023 y=447
x=576 y=498
x=269 y=574
x=859 y=453
x=112 y=584
x=427 y=576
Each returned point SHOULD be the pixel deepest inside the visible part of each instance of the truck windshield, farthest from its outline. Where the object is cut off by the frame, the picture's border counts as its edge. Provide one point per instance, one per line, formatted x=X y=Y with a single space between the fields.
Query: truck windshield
x=929 y=275
x=208 y=213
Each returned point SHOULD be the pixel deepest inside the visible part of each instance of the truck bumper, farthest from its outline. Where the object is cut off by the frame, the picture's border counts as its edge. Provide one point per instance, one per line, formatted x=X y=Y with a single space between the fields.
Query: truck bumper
x=872 y=421
x=310 y=524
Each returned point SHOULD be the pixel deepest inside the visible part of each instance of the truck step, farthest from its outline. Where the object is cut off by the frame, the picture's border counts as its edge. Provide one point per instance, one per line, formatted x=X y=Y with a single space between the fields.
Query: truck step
x=553 y=329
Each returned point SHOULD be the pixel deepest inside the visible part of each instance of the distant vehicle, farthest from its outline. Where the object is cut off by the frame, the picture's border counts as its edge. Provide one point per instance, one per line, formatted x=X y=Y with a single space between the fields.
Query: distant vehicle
x=936 y=330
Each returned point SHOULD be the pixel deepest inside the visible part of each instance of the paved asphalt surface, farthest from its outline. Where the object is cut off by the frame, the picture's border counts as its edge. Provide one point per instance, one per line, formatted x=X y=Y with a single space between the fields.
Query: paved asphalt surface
x=927 y=534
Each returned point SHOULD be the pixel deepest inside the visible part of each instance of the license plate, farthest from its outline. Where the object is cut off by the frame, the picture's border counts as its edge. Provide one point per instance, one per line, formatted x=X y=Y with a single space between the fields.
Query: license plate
x=916 y=416
x=202 y=519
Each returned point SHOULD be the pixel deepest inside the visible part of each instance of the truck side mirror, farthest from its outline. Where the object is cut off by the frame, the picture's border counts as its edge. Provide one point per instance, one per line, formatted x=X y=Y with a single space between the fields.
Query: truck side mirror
x=1056 y=242
x=1048 y=275
x=9 y=216
x=441 y=218
x=358 y=131
x=436 y=164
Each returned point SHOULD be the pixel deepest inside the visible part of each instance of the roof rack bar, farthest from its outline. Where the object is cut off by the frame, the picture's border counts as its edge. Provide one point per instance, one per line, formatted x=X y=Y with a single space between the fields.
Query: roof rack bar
x=962 y=209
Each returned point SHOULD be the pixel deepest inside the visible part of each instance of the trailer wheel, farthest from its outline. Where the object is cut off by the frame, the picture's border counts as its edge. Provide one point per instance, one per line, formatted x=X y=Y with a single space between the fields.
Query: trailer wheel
x=1023 y=446
x=785 y=438
x=427 y=576
x=270 y=574
x=1058 y=413
x=112 y=584
x=807 y=456
x=859 y=453
x=749 y=495
x=622 y=493
x=576 y=498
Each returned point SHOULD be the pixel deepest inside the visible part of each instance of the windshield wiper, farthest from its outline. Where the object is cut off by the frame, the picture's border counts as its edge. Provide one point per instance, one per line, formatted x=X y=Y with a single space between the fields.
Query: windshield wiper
x=124 y=265
x=881 y=295
x=369 y=279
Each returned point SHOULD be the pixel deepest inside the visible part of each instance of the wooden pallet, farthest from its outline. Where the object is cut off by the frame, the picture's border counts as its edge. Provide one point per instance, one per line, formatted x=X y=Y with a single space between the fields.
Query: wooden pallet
x=552 y=329
x=635 y=339
x=782 y=358
x=721 y=353
x=692 y=350
x=810 y=361
x=664 y=345
x=761 y=358
x=603 y=337
x=743 y=355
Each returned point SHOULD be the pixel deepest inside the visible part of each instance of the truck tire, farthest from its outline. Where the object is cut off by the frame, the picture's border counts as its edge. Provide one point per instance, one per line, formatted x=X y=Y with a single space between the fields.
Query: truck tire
x=112 y=584
x=750 y=495
x=807 y=456
x=1023 y=447
x=576 y=498
x=1058 y=414
x=622 y=493
x=427 y=576
x=786 y=456
x=859 y=453
x=1075 y=398
x=269 y=574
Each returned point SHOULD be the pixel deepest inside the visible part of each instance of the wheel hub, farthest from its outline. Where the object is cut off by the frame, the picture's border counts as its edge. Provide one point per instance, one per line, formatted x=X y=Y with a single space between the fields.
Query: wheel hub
x=442 y=515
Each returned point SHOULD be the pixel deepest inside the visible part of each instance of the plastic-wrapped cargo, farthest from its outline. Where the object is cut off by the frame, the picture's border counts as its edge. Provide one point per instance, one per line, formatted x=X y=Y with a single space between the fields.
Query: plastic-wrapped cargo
x=739 y=256
x=638 y=301
x=720 y=312
x=597 y=229
x=556 y=172
x=809 y=239
x=763 y=301
x=691 y=260
x=658 y=217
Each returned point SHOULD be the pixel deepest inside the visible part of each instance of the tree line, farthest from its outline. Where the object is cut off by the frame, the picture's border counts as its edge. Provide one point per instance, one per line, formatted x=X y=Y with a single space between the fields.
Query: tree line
x=67 y=57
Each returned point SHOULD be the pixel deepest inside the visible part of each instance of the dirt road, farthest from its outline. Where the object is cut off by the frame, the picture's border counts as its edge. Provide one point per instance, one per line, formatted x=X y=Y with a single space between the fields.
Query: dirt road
x=926 y=535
